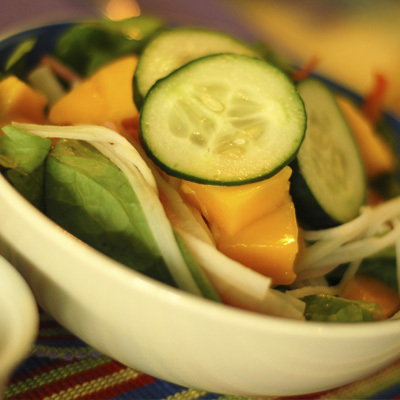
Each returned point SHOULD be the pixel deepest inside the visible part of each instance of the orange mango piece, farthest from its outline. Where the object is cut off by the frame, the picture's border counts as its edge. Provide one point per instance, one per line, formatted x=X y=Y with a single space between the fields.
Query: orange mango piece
x=269 y=245
x=106 y=96
x=232 y=208
x=370 y=289
x=20 y=103
x=377 y=155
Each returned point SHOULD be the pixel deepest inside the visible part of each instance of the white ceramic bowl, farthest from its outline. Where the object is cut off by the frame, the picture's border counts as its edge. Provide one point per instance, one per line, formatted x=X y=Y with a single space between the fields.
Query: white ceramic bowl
x=174 y=335
x=18 y=320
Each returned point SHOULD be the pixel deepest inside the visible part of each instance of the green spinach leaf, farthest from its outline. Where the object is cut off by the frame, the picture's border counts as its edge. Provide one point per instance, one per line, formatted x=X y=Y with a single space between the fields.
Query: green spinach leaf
x=91 y=198
x=16 y=63
x=22 y=158
x=328 y=308
x=88 y=46
x=381 y=266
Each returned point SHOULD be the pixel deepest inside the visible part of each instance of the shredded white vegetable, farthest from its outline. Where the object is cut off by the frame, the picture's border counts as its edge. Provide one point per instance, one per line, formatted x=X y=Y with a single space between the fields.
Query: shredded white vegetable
x=240 y=286
x=374 y=230
x=347 y=231
x=178 y=212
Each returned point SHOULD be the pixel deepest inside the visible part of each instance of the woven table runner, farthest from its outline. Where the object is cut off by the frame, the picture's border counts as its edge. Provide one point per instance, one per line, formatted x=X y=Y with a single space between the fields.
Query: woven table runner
x=61 y=366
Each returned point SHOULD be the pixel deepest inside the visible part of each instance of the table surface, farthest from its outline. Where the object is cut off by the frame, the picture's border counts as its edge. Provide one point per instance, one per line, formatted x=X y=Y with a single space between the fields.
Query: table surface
x=60 y=365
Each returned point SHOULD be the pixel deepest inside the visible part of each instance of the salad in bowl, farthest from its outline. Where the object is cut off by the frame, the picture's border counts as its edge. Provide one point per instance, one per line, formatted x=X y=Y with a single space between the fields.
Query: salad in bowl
x=180 y=179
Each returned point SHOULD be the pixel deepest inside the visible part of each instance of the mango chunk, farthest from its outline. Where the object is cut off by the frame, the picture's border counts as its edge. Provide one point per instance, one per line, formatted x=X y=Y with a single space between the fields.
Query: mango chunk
x=232 y=208
x=107 y=96
x=20 y=103
x=377 y=156
x=370 y=289
x=269 y=245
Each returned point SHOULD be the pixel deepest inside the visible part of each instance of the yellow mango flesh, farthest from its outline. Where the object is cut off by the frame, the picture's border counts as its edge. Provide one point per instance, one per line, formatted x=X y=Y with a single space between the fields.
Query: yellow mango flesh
x=20 y=103
x=377 y=156
x=269 y=245
x=106 y=96
x=234 y=207
x=254 y=224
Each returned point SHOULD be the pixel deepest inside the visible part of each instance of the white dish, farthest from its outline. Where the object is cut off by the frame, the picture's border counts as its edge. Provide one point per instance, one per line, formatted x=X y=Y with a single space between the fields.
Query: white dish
x=18 y=320
x=176 y=336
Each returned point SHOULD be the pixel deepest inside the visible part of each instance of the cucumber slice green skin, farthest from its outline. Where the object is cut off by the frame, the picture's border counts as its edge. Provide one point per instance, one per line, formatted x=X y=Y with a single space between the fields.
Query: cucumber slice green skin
x=328 y=183
x=171 y=49
x=310 y=214
x=224 y=119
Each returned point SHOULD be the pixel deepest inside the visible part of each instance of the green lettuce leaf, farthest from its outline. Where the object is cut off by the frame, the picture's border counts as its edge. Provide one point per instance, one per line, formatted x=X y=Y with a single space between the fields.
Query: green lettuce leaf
x=22 y=158
x=88 y=46
x=15 y=64
x=382 y=266
x=90 y=197
x=271 y=56
x=328 y=308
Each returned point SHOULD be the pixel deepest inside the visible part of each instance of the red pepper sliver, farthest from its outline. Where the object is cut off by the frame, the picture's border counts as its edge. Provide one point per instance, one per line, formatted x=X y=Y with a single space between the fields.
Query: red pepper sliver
x=372 y=104
x=306 y=70
x=61 y=70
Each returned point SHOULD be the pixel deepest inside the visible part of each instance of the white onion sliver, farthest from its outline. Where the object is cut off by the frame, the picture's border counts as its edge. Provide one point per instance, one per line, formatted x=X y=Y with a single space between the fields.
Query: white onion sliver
x=351 y=242
x=386 y=211
x=350 y=272
x=360 y=249
x=240 y=286
x=221 y=268
x=316 y=252
x=282 y=305
x=91 y=133
x=158 y=223
x=348 y=230
x=183 y=216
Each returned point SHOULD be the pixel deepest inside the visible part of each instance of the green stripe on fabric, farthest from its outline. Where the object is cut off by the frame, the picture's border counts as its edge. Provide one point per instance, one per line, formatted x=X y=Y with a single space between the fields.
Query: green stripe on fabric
x=63 y=352
x=59 y=373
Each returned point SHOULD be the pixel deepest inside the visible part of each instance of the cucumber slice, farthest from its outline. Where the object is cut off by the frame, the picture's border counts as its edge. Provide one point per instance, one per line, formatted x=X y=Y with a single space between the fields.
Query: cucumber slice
x=328 y=183
x=172 y=49
x=224 y=119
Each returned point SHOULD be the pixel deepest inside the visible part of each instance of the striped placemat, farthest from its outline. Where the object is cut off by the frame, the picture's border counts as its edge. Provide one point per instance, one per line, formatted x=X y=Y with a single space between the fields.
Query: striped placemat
x=63 y=367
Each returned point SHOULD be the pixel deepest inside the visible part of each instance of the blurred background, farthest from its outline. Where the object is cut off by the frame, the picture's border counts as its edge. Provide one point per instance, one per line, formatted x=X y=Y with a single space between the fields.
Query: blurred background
x=352 y=40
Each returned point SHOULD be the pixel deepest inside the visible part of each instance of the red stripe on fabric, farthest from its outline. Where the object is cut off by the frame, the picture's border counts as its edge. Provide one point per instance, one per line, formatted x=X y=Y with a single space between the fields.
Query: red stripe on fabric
x=30 y=373
x=119 y=389
x=54 y=387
